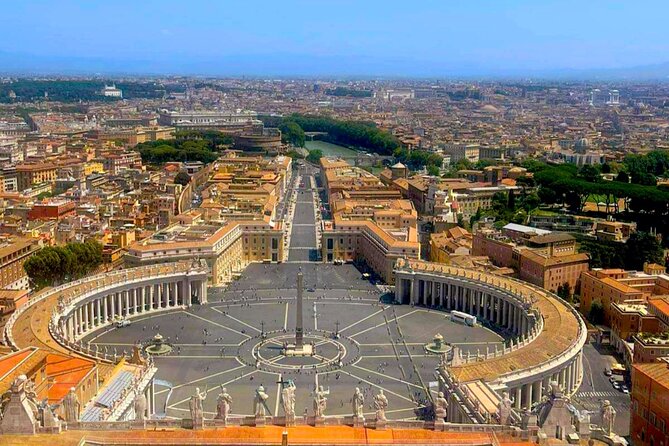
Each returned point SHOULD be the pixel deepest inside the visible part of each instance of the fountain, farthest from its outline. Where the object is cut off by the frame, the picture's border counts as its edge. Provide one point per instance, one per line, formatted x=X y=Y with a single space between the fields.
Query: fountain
x=157 y=346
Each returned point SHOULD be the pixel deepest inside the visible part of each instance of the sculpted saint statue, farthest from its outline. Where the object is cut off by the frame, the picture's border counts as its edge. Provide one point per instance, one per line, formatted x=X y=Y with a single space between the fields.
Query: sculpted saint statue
x=358 y=403
x=260 y=402
x=71 y=406
x=196 y=411
x=440 y=407
x=223 y=405
x=608 y=414
x=381 y=404
x=288 y=399
x=504 y=408
x=320 y=401
x=140 y=407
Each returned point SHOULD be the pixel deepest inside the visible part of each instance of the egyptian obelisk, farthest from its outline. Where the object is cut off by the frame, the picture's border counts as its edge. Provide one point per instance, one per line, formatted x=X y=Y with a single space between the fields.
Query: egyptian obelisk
x=298 y=319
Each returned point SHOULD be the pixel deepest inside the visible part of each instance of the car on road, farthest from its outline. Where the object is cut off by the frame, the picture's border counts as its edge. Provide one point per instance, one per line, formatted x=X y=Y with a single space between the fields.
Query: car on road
x=311 y=290
x=607 y=372
x=616 y=385
x=121 y=323
x=624 y=389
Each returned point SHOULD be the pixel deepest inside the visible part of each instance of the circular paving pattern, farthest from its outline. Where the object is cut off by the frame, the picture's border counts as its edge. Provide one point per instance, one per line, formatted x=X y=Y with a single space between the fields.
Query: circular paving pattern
x=237 y=341
x=329 y=352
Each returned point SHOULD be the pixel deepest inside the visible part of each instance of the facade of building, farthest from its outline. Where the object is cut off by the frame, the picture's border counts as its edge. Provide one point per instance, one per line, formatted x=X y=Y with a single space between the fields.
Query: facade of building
x=13 y=254
x=608 y=286
x=649 y=420
x=226 y=248
x=548 y=260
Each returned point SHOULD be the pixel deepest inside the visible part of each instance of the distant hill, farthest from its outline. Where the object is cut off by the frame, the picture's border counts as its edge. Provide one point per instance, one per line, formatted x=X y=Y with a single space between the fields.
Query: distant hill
x=308 y=66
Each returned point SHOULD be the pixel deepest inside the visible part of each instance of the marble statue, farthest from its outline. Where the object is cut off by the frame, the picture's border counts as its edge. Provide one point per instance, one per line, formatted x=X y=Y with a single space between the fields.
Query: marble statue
x=288 y=399
x=358 y=403
x=223 y=405
x=140 y=406
x=196 y=410
x=381 y=404
x=556 y=390
x=504 y=409
x=320 y=401
x=71 y=406
x=260 y=402
x=608 y=414
x=440 y=407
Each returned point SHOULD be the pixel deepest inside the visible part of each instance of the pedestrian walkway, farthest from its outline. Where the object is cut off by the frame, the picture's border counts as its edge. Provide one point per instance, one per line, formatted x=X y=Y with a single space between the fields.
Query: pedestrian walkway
x=600 y=394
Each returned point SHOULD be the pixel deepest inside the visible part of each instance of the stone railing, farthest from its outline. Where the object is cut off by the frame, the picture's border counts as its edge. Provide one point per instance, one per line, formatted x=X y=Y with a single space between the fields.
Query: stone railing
x=298 y=421
x=71 y=293
x=526 y=296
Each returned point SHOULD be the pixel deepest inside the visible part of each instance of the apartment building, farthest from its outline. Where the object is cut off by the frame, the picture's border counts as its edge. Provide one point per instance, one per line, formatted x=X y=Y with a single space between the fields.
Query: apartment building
x=649 y=420
x=540 y=257
x=227 y=247
x=608 y=286
x=370 y=223
x=13 y=253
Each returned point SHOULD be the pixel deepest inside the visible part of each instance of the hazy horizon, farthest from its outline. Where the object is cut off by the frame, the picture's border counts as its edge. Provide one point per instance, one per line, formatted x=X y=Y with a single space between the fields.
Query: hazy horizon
x=516 y=38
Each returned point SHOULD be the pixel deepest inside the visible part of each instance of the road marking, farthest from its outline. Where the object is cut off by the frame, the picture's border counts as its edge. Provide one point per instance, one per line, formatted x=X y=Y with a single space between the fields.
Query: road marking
x=200 y=379
x=237 y=320
x=278 y=395
x=171 y=406
x=381 y=325
x=285 y=318
x=375 y=385
x=388 y=376
x=362 y=320
x=219 y=325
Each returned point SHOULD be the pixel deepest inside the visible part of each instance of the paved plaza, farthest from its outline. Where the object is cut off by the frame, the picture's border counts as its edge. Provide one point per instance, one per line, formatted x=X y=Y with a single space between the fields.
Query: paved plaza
x=222 y=343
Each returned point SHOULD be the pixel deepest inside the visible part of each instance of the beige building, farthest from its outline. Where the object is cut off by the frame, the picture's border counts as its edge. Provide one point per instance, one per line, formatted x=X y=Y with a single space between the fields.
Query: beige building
x=227 y=248
x=609 y=286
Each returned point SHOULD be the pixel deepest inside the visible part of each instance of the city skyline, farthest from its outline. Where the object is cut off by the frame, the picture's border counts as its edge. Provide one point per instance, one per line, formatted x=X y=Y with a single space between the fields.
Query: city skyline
x=482 y=39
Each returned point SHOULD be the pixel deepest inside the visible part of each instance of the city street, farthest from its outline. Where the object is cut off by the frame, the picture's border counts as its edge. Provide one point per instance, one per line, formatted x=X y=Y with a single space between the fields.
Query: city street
x=596 y=387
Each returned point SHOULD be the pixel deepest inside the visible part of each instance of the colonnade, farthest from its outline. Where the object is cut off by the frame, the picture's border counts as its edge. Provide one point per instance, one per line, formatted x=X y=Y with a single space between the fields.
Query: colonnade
x=128 y=300
x=502 y=305
x=567 y=376
x=450 y=294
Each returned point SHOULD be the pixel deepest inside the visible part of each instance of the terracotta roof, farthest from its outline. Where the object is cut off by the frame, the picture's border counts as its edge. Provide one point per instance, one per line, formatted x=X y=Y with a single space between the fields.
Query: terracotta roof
x=10 y=362
x=657 y=371
x=65 y=373
x=661 y=303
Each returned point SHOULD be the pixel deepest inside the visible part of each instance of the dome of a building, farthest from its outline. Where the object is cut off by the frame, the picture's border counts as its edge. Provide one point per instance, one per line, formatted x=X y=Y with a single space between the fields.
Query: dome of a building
x=398 y=166
x=489 y=109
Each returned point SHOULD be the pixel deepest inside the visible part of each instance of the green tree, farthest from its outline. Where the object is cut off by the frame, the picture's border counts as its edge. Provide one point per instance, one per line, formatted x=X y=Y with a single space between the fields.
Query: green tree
x=623 y=177
x=182 y=178
x=511 y=203
x=564 y=291
x=433 y=170
x=314 y=156
x=292 y=133
x=642 y=247
x=596 y=313
x=51 y=265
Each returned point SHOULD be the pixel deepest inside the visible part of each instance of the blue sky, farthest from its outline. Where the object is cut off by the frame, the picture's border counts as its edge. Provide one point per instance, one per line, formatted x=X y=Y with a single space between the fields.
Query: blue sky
x=433 y=37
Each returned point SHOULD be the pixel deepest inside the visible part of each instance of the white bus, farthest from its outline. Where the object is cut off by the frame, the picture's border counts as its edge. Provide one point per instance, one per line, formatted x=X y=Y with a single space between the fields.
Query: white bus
x=463 y=318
